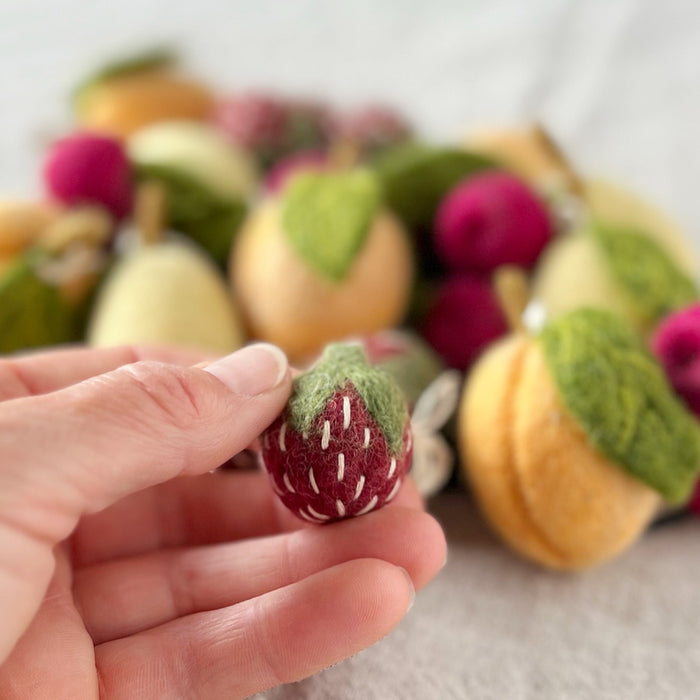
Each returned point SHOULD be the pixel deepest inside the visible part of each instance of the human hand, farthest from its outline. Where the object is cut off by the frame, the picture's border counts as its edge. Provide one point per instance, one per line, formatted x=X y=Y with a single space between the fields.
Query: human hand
x=128 y=570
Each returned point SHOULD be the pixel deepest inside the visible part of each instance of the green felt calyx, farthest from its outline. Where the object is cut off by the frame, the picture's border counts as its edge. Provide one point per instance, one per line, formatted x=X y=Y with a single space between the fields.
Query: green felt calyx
x=415 y=177
x=149 y=59
x=620 y=396
x=192 y=208
x=341 y=366
x=327 y=216
x=652 y=283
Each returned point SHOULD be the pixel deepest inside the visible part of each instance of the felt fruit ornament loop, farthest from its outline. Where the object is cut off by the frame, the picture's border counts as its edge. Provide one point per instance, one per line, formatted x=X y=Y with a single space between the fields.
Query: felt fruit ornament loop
x=342 y=446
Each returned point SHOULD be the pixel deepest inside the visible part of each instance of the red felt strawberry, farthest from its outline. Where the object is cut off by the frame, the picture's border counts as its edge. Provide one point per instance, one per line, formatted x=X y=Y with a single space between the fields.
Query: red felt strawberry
x=342 y=446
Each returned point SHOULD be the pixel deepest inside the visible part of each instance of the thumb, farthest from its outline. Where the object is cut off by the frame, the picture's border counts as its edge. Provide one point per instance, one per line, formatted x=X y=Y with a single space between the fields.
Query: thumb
x=80 y=449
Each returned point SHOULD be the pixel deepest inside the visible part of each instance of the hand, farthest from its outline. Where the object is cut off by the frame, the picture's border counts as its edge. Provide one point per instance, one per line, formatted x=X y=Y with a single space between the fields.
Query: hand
x=127 y=569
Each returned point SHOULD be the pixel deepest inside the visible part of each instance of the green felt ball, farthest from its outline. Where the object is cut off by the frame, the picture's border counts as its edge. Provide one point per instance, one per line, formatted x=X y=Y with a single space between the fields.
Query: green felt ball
x=339 y=366
x=619 y=394
x=327 y=216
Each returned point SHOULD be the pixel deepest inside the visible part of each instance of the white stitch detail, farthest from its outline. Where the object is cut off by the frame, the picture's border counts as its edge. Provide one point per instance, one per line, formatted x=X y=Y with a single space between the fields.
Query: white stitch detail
x=394 y=491
x=316 y=514
x=288 y=483
x=366 y=443
x=305 y=435
x=340 y=508
x=346 y=412
x=306 y=516
x=283 y=432
x=341 y=466
x=360 y=486
x=312 y=480
x=326 y=437
x=392 y=468
x=409 y=441
x=369 y=506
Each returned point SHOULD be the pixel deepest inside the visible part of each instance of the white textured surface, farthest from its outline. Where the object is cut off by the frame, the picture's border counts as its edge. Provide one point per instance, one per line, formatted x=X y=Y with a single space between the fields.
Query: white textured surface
x=617 y=81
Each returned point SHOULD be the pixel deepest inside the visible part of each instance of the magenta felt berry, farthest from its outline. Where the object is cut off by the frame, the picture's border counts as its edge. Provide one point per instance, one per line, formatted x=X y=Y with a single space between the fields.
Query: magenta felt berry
x=87 y=168
x=342 y=445
x=463 y=319
x=676 y=342
x=489 y=220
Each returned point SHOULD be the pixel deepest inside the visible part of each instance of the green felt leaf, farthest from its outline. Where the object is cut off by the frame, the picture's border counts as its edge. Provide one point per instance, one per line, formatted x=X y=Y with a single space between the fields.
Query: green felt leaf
x=651 y=281
x=327 y=216
x=620 y=395
x=415 y=177
x=342 y=365
x=32 y=312
x=195 y=210
x=146 y=60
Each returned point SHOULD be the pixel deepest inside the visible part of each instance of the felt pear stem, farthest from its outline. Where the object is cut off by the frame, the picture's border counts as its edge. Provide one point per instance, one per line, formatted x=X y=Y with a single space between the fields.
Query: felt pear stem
x=513 y=293
x=551 y=147
x=150 y=211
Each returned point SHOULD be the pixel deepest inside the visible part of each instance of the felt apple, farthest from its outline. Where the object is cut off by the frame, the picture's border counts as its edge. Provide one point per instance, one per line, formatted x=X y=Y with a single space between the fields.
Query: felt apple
x=323 y=261
x=342 y=445
x=571 y=439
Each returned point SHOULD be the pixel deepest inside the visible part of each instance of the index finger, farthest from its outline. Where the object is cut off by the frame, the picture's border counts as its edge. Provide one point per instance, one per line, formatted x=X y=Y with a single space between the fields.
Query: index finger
x=49 y=370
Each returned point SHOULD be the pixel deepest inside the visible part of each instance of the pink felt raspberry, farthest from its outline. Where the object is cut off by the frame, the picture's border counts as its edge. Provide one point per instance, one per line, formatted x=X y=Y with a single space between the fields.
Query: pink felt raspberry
x=87 y=168
x=489 y=220
x=676 y=342
x=342 y=446
x=464 y=318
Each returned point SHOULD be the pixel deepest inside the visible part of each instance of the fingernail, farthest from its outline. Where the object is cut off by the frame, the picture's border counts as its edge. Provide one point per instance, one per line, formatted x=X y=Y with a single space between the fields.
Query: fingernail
x=251 y=370
x=411 y=588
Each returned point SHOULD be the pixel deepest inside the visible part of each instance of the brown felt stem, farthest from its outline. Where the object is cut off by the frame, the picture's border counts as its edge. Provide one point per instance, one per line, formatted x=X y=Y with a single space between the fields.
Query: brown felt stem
x=513 y=293
x=552 y=148
x=150 y=211
x=344 y=154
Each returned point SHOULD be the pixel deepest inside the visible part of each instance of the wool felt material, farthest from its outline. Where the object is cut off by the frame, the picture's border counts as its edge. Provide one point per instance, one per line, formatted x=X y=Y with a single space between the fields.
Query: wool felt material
x=489 y=220
x=88 y=168
x=415 y=177
x=651 y=281
x=620 y=396
x=327 y=216
x=342 y=446
x=540 y=483
x=676 y=343
x=464 y=318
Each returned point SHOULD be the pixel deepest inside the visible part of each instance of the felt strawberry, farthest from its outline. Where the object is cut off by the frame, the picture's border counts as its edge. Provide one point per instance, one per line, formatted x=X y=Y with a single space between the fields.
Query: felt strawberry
x=342 y=446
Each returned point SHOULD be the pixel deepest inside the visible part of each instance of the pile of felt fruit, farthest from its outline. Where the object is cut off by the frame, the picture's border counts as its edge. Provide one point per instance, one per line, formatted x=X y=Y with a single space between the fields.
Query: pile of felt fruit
x=176 y=215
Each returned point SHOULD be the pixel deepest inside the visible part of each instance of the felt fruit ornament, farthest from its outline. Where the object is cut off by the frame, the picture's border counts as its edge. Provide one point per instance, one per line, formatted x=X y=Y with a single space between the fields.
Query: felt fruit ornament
x=342 y=445
x=207 y=181
x=166 y=290
x=86 y=168
x=571 y=439
x=127 y=95
x=272 y=127
x=491 y=219
x=46 y=288
x=321 y=262
x=464 y=317
x=529 y=152
x=612 y=267
x=21 y=225
x=277 y=177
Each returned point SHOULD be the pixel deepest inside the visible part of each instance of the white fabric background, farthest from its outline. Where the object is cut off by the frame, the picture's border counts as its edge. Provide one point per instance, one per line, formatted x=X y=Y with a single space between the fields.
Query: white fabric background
x=618 y=82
